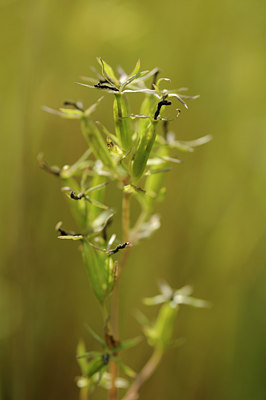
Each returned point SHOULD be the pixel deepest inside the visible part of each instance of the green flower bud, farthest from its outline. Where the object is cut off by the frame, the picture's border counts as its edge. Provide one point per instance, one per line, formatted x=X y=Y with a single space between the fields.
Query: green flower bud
x=160 y=335
x=100 y=269
x=122 y=124
x=143 y=151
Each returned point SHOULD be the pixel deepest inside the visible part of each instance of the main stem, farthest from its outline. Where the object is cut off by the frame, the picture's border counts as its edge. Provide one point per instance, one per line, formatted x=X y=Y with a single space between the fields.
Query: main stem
x=115 y=296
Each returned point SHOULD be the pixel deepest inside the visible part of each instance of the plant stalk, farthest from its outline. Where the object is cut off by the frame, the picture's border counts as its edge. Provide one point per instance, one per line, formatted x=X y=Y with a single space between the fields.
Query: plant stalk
x=115 y=296
x=144 y=375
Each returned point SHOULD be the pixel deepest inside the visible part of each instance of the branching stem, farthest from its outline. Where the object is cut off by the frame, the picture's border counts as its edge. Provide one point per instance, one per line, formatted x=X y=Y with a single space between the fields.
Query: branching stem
x=144 y=375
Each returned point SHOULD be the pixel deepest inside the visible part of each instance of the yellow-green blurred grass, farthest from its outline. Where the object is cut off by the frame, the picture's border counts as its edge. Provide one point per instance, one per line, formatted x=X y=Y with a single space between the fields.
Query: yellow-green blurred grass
x=213 y=219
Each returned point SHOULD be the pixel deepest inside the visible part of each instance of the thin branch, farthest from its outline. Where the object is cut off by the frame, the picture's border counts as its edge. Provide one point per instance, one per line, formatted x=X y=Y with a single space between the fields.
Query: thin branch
x=143 y=376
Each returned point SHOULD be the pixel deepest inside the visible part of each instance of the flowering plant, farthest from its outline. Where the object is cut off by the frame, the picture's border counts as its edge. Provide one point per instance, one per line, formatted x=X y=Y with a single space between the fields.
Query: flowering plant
x=135 y=157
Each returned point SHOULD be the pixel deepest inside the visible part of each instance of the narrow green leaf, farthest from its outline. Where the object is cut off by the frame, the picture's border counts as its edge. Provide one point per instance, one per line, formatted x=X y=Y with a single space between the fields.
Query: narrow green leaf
x=95 y=335
x=125 y=368
x=97 y=187
x=108 y=72
x=107 y=133
x=96 y=203
x=88 y=354
x=136 y=69
x=132 y=79
x=64 y=113
x=127 y=344
x=158 y=171
x=68 y=171
x=92 y=108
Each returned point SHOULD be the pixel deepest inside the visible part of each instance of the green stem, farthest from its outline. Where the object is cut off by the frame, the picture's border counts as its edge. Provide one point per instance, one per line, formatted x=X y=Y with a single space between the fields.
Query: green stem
x=115 y=296
x=84 y=393
x=144 y=375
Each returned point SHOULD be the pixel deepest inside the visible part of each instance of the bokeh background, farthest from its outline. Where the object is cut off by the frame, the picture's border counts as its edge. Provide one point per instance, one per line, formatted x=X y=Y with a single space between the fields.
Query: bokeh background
x=213 y=220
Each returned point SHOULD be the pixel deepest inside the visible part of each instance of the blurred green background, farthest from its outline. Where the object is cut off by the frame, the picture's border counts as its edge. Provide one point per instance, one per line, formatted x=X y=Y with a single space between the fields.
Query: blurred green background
x=213 y=220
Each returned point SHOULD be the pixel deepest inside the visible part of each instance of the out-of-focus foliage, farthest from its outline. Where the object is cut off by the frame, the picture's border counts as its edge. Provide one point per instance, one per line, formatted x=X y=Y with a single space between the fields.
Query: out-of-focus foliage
x=213 y=217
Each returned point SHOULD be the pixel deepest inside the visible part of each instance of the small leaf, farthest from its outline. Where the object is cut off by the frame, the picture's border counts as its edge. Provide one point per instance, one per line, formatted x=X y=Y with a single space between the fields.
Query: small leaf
x=127 y=344
x=68 y=171
x=146 y=91
x=125 y=368
x=96 y=203
x=149 y=227
x=162 y=80
x=132 y=79
x=108 y=72
x=97 y=187
x=107 y=133
x=147 y=76
x=136 y=69
x=88 y=354
x=92 y=108
x=95 y=336
x=64 y=112
x=107 y=90
x=158 y=171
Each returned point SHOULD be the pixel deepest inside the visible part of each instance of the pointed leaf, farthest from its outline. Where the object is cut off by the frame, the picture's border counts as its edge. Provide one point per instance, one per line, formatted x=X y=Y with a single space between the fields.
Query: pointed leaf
x=127 y=344
x=64 y=113
x=132 y=79
x=178 y=98
x=92 y=108
x=108 y=72
x=125 y=368
x=95 y=336
x=89 y=354
x=97 y=187
x=107 y=133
